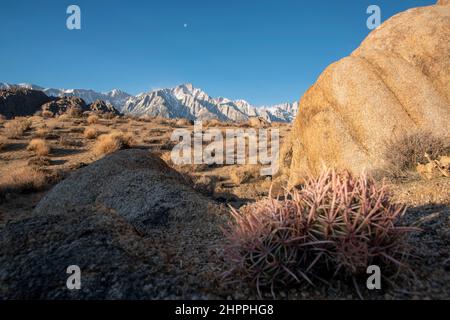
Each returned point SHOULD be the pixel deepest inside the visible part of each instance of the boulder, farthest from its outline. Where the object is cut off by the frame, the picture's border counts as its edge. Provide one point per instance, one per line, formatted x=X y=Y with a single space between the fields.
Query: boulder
x=101 y=106
x=135 y=184
x=133 y=225
x=16 y=102
x=396 y=82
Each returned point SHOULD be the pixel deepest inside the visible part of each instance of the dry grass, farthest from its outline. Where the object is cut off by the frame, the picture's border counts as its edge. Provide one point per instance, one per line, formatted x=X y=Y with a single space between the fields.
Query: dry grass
x=67 y=142
x=23 y=179
x=245 y=174
x=92 y=119
x=39 y=162
x=64 y=118
x=184 y=123
x=145 y=118
x=3 y=143
x=42 y=132
x=404 y=154
x=108 y=115
x=39 y=147
x=16 y=128
x=74 y=112
x=77 y=130
x=213 y=123
x=90 y=133
x=112 y=142
x=205 y=184
x=46 y=114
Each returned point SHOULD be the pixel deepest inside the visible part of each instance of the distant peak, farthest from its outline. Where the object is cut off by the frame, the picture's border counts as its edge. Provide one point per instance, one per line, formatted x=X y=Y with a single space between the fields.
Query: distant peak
x=117 y=92
x=186 y=86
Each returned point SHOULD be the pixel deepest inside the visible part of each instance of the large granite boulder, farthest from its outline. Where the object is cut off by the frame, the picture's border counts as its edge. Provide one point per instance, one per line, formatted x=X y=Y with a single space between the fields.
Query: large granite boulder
x=133 y=225
x=135 y=184
x=396 y=82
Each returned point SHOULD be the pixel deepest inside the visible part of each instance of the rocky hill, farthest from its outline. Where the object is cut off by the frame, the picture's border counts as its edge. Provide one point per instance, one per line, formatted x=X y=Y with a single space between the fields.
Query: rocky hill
x=21 y=102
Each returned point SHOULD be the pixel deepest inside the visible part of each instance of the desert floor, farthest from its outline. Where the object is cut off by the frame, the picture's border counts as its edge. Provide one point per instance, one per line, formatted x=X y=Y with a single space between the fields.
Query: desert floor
x=429 y=202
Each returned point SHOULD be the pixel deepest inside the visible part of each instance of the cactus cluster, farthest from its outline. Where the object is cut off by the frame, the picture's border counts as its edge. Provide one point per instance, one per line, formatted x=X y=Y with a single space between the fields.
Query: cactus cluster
x=335 y=226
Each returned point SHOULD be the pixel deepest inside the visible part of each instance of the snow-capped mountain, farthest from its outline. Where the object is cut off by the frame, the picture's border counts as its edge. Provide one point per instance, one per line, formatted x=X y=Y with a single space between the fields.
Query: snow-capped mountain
x=184 y=101
x=284 y=112
x=115 y=97
x=4 y=85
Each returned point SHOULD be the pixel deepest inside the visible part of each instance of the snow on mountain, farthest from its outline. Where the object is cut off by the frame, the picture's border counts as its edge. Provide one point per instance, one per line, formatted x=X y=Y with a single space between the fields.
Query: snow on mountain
x=284 y=112
x=116 y=97
x=184 y=101
x=4 y=85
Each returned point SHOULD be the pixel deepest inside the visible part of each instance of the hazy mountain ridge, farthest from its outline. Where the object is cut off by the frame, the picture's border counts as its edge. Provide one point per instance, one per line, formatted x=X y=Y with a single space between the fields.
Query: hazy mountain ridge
x=184 y=101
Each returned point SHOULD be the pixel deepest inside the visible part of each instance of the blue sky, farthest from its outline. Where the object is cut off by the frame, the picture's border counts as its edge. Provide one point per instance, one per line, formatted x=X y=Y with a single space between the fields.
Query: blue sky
x=264 y=51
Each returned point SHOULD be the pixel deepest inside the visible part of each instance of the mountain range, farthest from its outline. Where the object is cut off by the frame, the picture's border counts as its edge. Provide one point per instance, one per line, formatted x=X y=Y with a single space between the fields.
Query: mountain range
x=183 y=101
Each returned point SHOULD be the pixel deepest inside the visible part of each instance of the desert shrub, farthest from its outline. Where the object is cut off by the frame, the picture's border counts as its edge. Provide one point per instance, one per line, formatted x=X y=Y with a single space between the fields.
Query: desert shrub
x=74 y=112
x=336 y=226
x=16 y=128
x=92 y=119
x=39 y=147
x=90 y=133
x=405 y=153
x=42 y=132
x=112 y=142
x=23 y=179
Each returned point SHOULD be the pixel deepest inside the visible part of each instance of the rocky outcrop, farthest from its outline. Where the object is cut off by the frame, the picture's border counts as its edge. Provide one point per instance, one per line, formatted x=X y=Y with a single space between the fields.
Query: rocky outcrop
x=396 y=82
x=100 y=106
x=61 y=105
x=21 y=102
x=133 y=225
